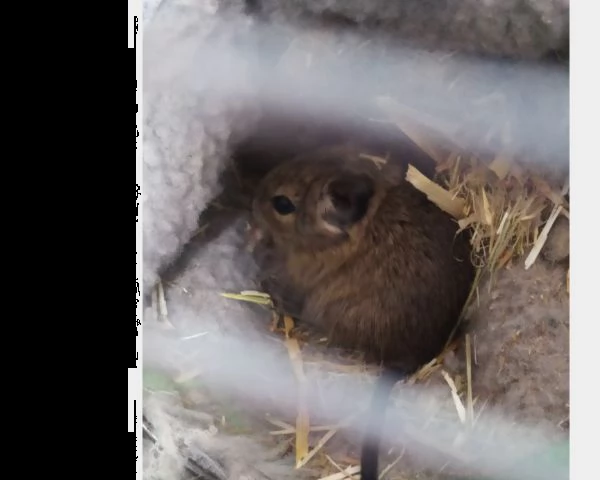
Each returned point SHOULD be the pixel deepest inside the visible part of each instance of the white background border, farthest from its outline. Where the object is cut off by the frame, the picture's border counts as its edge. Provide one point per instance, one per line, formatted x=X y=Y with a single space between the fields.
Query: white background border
x=585 y=243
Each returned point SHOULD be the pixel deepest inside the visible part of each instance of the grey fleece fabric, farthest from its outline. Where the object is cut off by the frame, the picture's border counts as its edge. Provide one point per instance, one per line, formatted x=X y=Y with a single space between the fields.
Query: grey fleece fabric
x=188 y=125
x=513 y=28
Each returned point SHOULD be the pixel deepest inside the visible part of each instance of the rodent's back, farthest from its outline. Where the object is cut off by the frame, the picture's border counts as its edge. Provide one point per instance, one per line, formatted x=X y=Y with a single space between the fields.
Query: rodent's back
x=400 y=294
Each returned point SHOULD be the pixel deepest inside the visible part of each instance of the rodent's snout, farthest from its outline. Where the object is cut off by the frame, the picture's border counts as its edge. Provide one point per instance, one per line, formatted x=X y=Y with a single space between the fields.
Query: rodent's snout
x=254 y=235
x=257 y=227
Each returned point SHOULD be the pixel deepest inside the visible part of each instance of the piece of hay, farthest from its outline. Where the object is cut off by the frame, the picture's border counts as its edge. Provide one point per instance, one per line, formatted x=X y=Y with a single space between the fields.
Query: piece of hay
x=338 y=468
x=324 y=439
x=460 y=408
x=280 y=424
x=250 y=296
x=302 y=419
x=292 y=430
x=159 y=301
x=559 y=203
x=539 y=244
x=378 y=161
x=503 y=215
x=347 y=473
x=385 y=471
x=501 y=166
x=437 y=194
x=500 y=201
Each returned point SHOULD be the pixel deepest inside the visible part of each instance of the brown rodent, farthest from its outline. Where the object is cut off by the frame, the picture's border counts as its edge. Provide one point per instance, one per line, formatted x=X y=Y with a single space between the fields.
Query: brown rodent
x=374 y=263
x=370 y=260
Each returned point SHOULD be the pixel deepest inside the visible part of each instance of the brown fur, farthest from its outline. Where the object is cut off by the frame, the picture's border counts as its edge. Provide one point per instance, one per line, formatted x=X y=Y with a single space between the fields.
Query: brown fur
x=391 y=284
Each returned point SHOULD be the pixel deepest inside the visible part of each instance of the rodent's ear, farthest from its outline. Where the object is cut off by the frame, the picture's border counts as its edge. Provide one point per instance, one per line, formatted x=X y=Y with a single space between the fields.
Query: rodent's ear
x=348 y=198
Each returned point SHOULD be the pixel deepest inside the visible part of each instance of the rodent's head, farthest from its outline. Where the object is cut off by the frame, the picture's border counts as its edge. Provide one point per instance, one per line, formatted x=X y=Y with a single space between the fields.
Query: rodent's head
x=317 y=200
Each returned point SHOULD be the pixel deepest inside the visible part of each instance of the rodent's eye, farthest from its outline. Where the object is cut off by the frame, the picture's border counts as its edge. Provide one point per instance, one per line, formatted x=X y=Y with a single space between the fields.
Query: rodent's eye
x=283 y=205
